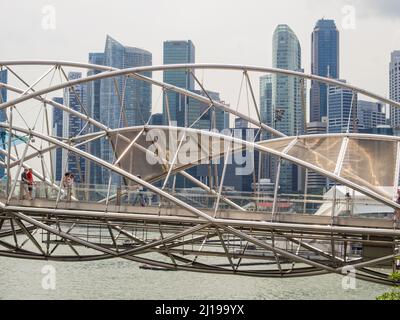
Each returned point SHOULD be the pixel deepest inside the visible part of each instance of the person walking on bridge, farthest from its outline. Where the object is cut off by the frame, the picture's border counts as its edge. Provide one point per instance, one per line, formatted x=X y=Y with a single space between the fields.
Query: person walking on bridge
x=71 y=186
x=68 y=185
x=29 y=176
x=138 y=194
x=65 y=184
x=24 y=183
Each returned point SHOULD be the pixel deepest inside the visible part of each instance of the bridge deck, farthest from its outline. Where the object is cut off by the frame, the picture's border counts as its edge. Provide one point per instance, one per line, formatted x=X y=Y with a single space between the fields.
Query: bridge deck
x=80 y=208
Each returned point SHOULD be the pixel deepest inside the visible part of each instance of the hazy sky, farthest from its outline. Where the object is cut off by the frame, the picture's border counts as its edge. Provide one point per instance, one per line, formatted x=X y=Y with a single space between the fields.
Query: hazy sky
x=223 y=31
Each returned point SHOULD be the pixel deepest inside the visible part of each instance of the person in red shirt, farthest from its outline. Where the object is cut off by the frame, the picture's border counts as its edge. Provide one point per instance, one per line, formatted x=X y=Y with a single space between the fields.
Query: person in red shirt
x=29 y=177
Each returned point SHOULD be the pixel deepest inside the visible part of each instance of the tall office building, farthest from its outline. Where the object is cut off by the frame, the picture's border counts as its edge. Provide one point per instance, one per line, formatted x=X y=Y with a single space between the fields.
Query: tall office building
x=199 y=118
x=325 y=63
x=266 y=118
x=342 y=110
x=3 y=116
x=177 y=52
x=242 y=166
x=227 y=118
x=93 y=103
x=156 y=119
x=58 y=155
x=383 y=129
x=135 y=94
x=394 y=87
x=93 y=87
x=3 y=91
x=286 y=99
x=316 y=184
x=242 y=169
x=75 y=98
x=266 y=99
x=241 y=123
x=370 y=114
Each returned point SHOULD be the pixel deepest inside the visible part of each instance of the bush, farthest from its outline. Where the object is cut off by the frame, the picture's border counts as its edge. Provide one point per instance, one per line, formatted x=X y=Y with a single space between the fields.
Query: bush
x=395 y=276
x=395 y=293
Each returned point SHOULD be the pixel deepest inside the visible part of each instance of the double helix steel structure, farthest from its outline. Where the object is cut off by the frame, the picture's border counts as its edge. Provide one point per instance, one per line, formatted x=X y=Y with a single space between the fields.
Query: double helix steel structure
x=208 y=228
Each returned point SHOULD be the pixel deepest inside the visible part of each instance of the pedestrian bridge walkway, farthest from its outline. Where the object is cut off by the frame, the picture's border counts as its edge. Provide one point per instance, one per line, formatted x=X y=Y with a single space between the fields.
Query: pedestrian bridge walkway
x=130 y=204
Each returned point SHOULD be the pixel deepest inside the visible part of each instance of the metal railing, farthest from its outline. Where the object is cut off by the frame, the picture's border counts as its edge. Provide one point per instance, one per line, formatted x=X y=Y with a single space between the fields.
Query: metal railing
x=252 y=202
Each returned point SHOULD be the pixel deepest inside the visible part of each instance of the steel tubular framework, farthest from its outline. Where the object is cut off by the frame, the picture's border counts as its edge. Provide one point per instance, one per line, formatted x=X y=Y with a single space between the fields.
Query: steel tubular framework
x=175 y=233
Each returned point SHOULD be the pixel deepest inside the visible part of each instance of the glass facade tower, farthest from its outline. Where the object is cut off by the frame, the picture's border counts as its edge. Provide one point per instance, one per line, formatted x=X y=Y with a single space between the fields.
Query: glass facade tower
x=394 y=87
x=197 y=108
x=341 y=113
x=177 y=52
x=266 y=117
x=286 y=99
x=75 y=98
x=3 y=91
x=93 y=102
x=3 y=116
x=136 y=95
x=58 y=132
x=325 y=63
x=370 y=114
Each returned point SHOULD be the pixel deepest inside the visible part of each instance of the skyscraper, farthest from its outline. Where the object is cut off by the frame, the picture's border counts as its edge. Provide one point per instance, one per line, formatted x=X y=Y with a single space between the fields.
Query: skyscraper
x=75 y=98
x=156 y=119
x=325 y=63
x=383 y=129
x=58 y=131
x=199 y=118
x=3 y=116
x=135 y=94
x=266 y=99
x=242 y=168
x=342 y=110
x=196 y=112
x=370 y=114
x=316 y=184
x=241 y=123
x=93 y=102
x=266 y=118
x=286 y=97
x=3 y=91
x=178 y=52
x=394 y=87
x=93 y=87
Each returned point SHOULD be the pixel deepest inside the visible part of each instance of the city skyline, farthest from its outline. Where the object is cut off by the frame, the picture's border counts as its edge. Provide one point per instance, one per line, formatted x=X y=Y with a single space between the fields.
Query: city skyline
x=185 y=52
x=214 y=48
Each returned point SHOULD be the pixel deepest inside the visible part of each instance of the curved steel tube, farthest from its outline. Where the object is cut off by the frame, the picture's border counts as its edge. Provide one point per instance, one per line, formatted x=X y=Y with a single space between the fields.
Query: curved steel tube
x=117 y=72
x=112 y=72
x=182 y=204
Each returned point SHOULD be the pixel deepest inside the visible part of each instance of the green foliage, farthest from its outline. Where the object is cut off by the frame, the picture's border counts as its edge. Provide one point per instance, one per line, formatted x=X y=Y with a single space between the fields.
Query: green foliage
x=395 y=293
x=395 y=276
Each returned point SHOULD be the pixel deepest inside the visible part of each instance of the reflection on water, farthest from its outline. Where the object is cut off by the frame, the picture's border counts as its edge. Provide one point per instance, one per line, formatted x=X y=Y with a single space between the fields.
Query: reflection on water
x=120 y=279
